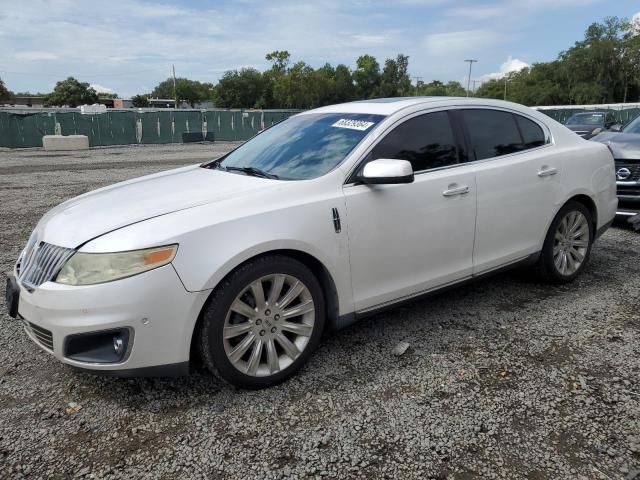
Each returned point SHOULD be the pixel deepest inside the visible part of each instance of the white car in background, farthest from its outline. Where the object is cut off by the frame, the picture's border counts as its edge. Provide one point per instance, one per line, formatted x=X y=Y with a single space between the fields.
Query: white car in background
x=318 y=221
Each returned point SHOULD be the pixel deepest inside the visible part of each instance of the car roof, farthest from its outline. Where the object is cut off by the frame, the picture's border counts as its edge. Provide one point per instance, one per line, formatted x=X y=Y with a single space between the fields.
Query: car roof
x=389 y=106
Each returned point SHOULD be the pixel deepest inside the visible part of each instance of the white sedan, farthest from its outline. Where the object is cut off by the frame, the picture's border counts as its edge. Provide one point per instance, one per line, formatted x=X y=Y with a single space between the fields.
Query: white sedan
x=327 y=217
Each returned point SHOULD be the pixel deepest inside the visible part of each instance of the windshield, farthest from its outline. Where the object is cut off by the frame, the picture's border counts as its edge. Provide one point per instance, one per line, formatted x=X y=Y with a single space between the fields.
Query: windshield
x=633 y=127
x=303 y=146
x=586 y=119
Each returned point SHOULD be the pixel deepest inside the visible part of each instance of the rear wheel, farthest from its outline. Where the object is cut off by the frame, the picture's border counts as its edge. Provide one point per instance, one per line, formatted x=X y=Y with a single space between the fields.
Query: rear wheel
x=567 y=246
x=263 y=322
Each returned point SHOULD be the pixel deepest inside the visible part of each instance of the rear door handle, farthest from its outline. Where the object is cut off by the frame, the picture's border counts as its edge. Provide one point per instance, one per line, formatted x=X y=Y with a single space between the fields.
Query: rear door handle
x=547 y=171
x=455 y=189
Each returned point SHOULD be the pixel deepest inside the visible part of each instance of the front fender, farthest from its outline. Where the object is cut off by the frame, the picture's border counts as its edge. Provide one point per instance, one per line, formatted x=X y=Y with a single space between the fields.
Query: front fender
x=207 y=253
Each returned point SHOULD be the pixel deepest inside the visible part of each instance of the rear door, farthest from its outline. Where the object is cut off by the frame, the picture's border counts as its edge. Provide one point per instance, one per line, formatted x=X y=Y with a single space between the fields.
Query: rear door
x=517 y=185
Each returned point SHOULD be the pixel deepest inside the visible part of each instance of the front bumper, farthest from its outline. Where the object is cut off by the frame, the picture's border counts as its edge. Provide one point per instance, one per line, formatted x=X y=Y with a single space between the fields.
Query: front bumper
x=154 y=306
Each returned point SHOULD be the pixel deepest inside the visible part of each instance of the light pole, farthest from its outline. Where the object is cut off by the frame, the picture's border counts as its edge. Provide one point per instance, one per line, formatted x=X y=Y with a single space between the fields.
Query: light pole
x=471 y=62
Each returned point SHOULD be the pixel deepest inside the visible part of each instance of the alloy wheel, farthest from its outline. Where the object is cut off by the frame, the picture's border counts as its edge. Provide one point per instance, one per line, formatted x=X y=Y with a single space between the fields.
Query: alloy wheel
x=571 y=242
x=268 y=325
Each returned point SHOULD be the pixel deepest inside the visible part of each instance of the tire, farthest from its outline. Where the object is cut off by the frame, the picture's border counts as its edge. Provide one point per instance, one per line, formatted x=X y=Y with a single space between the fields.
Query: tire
x=255 y=341
x=564 y=257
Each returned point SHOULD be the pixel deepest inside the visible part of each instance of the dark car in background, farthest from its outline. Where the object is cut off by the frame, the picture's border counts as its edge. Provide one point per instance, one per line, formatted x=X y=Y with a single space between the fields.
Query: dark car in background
x=625 y=147
x=589 y=124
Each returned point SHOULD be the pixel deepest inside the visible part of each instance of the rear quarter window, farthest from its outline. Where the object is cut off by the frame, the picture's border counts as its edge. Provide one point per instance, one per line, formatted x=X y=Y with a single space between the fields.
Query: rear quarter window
x=532 y=134
x=493 y=133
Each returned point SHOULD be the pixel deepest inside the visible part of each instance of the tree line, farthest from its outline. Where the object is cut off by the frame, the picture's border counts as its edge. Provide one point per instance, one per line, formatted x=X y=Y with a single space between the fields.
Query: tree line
x=604 y=67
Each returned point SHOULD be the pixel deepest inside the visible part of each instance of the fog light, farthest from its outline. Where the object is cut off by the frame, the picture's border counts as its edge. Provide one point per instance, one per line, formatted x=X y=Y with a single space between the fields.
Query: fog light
x=106 y=346
x=118 y=345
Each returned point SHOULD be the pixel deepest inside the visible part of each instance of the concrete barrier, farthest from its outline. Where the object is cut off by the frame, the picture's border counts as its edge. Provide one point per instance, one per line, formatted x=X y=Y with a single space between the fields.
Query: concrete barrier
x=65 y=142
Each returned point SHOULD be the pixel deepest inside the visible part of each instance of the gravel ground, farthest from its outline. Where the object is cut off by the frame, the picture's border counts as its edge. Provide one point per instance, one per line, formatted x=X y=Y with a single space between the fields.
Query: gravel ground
x=506 y=378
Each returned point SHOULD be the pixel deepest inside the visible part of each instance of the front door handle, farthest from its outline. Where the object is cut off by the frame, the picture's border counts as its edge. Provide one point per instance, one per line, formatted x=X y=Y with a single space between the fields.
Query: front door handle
x=547 y=171
x=455 y=189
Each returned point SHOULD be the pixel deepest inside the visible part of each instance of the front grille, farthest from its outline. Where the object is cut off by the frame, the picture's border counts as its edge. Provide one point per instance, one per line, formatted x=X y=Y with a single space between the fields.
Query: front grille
x=629 y=191
x=42 y=335
x=633 y=167
x=40 y=263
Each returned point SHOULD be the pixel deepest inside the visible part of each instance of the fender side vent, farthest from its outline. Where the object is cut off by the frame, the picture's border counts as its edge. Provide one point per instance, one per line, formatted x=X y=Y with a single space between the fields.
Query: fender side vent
x=336 y=220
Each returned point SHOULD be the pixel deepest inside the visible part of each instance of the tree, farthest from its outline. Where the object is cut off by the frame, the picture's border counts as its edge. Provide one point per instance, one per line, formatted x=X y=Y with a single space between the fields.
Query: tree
x=190 y=91
x=366 y=77
x=344 y=88
x=140 y=101
x=71 y=93
x=239 y=89
x=432 y=89
x=5 y=94
x=455 y=89
x=293 y=89
x=395 y=81
x=280 y=60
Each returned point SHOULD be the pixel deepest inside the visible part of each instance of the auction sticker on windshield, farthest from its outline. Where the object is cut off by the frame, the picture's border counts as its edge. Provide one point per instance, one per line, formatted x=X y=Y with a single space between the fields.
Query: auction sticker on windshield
x=352 y=124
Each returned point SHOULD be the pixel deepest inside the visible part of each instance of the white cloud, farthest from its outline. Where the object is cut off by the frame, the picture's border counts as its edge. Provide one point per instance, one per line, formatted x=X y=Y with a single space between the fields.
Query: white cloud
x=101 y=89
x=635 y=22
x=511 y=8
x=34 y=56
x=468 y=41
x=511 y=65
x=370 y=39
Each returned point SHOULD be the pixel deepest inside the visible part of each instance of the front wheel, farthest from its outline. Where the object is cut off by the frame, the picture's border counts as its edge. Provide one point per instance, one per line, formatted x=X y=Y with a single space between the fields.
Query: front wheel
x=567 y=245
x=263 y=322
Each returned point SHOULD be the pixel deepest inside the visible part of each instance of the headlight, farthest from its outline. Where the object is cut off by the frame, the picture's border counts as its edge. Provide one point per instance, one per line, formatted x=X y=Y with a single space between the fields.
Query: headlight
x=90 y=268
x=596 y=131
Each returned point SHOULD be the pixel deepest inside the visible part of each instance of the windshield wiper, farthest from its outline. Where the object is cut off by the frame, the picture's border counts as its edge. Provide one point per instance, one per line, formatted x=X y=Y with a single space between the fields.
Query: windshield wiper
x=253 y=171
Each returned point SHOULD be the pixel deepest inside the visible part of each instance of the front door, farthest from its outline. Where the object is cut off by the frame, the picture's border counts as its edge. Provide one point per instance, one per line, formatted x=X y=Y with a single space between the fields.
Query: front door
x=409 y=238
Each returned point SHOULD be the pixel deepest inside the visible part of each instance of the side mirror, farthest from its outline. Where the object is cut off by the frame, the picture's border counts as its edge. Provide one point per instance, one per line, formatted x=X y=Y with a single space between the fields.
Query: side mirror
x=615 y=128
x=387 y=171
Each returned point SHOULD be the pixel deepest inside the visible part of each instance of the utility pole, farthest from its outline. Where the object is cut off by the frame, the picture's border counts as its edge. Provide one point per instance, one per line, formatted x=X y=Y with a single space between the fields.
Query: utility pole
x=474 y=85
x=505 y=86
x=471 y=62
x=175 y=95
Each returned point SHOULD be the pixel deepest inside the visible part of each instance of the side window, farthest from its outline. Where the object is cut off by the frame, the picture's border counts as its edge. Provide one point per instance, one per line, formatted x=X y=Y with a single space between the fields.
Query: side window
x=426 y=141
x=492 y=133
x=532 y=134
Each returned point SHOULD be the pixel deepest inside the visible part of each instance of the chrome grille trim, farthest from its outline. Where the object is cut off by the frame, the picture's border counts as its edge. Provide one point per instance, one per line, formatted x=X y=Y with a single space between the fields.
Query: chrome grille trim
x=42 y=263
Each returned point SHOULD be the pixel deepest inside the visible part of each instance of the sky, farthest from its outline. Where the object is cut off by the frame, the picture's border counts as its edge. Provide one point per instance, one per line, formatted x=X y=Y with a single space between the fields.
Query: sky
x=129 y=46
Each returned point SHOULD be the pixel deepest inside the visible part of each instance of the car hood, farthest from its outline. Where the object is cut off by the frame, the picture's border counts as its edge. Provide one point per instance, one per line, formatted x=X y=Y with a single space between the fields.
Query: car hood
x=88 y=216
x=624 y=146
x=582 y=128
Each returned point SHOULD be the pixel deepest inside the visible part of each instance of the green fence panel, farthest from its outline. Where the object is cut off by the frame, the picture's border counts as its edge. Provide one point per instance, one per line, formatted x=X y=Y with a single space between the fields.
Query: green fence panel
x=186 y=122
x=156 y=127
x=252 y=124
x=23 y=130
x=117 y=128
x=210 y=121
x=226 y=126
x=72 y=123
x=26 y=129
